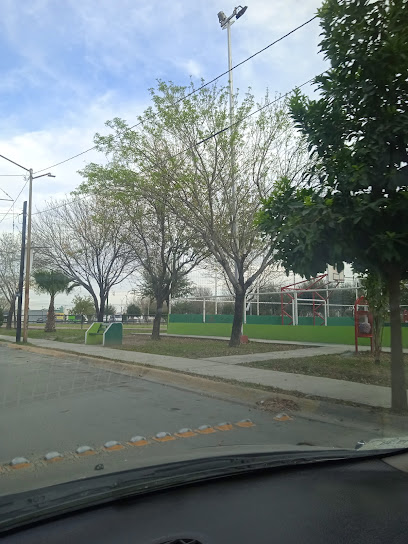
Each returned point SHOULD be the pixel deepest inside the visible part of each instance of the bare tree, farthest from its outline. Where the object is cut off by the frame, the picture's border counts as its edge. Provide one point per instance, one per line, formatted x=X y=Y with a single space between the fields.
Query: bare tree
x=9 y=272
x=86 y=240
x=164 y=249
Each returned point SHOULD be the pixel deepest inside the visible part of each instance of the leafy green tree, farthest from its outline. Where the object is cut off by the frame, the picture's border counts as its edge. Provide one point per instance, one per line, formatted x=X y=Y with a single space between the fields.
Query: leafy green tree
x=165 y=249
x=52 y=282
x=355 y=205
x=183 y=155
x=133 y=310
x=110 y=309
x=83 y=306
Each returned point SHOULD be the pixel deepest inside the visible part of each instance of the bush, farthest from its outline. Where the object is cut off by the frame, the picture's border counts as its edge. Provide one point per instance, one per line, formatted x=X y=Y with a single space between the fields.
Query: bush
x=1 y=316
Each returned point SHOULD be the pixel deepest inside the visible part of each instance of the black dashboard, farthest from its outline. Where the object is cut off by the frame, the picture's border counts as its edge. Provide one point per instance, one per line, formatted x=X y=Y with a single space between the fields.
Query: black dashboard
x=349 y=501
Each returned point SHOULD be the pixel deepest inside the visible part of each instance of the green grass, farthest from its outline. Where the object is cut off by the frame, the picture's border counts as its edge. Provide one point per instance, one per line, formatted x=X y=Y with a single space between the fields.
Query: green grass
x=193 y=348
x=178 y=347
x=301 y=333
x=75 y=336
x=354 y=368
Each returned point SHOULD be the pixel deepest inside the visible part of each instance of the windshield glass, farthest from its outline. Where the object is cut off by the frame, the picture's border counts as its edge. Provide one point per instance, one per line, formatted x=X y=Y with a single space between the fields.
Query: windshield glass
x=203 y=233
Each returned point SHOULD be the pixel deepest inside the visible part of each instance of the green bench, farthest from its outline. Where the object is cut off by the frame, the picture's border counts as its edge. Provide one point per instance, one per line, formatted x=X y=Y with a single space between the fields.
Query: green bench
x=104 y=334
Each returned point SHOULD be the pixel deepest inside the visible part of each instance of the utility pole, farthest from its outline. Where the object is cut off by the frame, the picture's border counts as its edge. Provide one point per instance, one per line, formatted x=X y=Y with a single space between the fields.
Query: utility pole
x=28 y=253
x=21 y=277
x=28 y=260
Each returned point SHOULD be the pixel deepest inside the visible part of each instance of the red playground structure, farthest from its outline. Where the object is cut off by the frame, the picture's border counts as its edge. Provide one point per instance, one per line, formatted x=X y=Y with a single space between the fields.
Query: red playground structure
x=318 y=291
x=363 y=321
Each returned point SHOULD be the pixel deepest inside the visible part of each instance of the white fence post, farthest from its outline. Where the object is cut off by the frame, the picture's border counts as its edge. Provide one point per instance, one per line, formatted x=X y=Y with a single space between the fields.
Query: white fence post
x=203 y=309
x=257 y=298
x=216 y=294
x=245 y=308
x=295 y=316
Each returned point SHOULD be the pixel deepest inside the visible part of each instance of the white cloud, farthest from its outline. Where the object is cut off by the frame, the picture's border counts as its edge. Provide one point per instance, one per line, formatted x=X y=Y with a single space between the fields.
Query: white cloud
x=78 y=64
x=193 y=68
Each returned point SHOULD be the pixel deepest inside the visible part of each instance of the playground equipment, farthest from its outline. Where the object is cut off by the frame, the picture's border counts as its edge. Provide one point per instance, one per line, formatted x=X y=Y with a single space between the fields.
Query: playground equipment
x=319 y=288
x=105 y=334
x=363 y=321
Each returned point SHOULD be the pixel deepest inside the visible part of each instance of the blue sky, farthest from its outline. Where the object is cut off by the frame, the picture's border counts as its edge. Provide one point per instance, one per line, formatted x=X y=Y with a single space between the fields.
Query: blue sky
x=68 y=66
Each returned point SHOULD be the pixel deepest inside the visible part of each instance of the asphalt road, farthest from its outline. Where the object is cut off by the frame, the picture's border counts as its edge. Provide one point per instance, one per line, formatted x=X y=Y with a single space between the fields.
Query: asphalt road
x=49 y=404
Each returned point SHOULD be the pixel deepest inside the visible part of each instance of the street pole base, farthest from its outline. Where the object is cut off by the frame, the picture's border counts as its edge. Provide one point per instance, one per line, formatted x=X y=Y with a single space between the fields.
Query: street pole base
x=244 y=339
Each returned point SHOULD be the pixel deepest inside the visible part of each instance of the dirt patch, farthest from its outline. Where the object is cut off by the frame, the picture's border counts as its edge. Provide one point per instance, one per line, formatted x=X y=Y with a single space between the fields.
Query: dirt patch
x=197 y=348
x=277 y=404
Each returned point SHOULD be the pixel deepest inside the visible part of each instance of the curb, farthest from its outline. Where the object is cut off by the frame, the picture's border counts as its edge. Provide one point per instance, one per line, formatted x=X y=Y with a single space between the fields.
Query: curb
x=239 y=393
x=317 y=409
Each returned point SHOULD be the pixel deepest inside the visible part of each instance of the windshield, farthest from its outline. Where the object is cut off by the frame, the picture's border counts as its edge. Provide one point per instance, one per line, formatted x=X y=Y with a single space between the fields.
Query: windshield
x=203 y=232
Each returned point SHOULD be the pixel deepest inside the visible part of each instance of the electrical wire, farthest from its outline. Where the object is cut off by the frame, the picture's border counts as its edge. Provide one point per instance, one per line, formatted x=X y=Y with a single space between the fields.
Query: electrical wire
x=11 y=198
x=61 y=205
x=11 y=207
x=192 y=92
x=270 y=103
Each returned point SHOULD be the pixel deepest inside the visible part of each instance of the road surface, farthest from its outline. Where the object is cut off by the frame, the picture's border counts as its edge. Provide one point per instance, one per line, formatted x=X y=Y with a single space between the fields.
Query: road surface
x=59 y=403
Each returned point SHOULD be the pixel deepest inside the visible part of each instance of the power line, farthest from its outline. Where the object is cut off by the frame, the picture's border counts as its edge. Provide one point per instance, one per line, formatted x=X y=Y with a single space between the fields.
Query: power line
x=281 y=97
x=11 y=207
x=192 y=92
x=11 y=198
x=61 y=205
x=16 y=163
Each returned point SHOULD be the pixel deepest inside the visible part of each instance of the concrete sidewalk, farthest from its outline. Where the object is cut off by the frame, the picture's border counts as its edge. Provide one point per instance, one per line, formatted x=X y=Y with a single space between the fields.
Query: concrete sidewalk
x=267 y=356
x=370 y=395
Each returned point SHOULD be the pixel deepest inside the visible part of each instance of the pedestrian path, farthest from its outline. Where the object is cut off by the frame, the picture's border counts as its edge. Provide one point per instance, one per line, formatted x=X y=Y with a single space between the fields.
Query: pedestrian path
x=371 y=395
x=267 y=356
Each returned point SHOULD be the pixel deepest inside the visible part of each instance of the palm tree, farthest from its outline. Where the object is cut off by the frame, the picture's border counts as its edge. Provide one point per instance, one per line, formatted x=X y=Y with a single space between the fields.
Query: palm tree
x=52 y=282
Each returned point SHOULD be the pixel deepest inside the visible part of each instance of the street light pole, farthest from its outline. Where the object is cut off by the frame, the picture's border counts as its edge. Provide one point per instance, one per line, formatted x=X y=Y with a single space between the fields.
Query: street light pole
x=226 y=23
x=232 y=158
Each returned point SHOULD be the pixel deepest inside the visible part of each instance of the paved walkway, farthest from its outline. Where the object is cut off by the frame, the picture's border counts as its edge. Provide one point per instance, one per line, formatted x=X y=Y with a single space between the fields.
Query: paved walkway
x=371 y=395
x=289 y=354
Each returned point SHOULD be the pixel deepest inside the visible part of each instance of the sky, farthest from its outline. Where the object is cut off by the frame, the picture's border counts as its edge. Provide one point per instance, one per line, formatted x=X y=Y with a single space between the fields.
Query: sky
x=69 y=66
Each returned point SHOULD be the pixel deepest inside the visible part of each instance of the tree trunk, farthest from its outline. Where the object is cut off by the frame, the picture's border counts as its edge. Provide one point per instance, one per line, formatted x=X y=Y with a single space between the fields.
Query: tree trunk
x=100 y=315
x=235 y=339
x=157 y=320
x=50 y=323
x=398 y=387
x=10 y=314
x=378 y=325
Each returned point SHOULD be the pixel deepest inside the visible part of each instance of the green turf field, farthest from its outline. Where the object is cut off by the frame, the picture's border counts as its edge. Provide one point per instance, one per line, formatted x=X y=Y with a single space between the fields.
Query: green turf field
x=301 y=333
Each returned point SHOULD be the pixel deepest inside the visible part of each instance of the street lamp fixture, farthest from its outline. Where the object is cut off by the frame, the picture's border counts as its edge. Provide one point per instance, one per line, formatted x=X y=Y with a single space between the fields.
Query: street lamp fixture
x=221 y=17
x=241 y=12
x=237 y=13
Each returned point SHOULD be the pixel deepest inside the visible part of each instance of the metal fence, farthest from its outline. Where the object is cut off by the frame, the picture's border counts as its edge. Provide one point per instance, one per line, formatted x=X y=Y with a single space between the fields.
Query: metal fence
x=327 y=307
